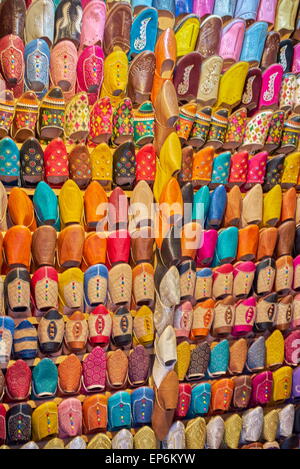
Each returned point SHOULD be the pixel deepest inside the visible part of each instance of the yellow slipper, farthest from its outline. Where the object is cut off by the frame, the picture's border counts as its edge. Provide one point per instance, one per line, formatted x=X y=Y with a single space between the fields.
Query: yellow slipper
x=195 y=433
x=183 y=359
x=291 y=167
x=55 y=443
x=145 y=439
x=186 y=34
x=70 y=203
x=100 y=441
x=70 y=290
x=271 y=422
x=115 y=77
x=233 y=428
x=274 y=349
x=232 y=86
x=143 y=327
x=282 y=383
x=169 y=163
x=272 y=206
x=44 y=421
x=102 y=164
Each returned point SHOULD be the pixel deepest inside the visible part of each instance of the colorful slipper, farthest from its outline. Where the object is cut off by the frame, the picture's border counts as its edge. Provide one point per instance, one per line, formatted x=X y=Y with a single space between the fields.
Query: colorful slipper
x=26 y=115
x=51 y=114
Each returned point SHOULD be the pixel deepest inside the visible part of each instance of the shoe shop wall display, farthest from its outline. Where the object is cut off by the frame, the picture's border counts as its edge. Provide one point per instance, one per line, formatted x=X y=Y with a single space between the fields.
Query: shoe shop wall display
x=150 y=224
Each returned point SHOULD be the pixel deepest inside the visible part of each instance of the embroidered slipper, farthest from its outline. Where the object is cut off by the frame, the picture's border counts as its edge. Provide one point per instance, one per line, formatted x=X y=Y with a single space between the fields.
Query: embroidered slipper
x=119 y=411
x=44 y=290
x=44 y=420
x=102 y=164
x=93 y=23
x=219 y=358
x=18 y=423
x=115 y=77
x=243 y=274
x=56 y=163
x=7 y=110
x=143 y=327
x=221 y=395
x=271 y=49
x=203 y=316
x=186 y=77
x=17 y=293
x=70 y=289
x=121 y=335
x=100 y=326
x=195 y=433
x=94 y=370
x=253 y=44
x=69 y=375
x=143 y=31
x=12 y=63
x=51 y=114
x=26 y=114
x=37 y=64
x=209 y=38
x=202 y=166
x=44 y=381
x=90 y=71
x=140 y=77
x=14 y=13
x=138 y=370
x=117 y=369
x=123 y=440
x=124 y=165
x=232 y=41
x=18 y=381
x=51 y=332
x=233 y=428
x=241 y=392
x=32 y=162
x=77 y=117
x=76 y=334
x=251 y=93
x=143 y=124
x=94 y=410
x=63 y=62
x=238 y=168
x=142 y=401
x=122 y=121
x=70 y=418
x=101 y=121
x=80 y=165
x=200 y=128
x=176 y=437
x=200 y=400
x=215 y=429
